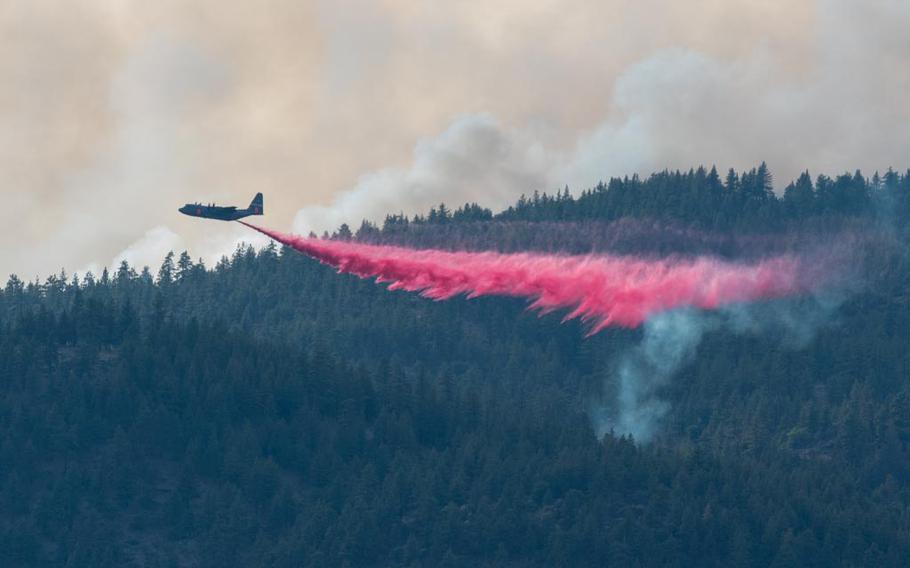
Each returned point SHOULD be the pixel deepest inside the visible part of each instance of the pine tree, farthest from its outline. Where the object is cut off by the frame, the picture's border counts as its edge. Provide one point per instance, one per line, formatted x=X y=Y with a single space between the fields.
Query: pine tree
x=184 y=266
x=166 y=272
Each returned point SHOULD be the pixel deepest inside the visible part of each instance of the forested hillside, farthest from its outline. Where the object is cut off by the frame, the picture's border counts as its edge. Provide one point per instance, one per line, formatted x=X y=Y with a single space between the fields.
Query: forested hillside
x=268 y=411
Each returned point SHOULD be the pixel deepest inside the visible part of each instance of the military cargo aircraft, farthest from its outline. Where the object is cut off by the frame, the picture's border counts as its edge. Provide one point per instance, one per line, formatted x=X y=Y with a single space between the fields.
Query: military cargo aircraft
x=230 y=213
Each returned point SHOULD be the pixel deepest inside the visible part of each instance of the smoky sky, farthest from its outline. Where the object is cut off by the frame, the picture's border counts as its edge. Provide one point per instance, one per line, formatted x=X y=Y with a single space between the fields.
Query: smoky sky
x=115 y=113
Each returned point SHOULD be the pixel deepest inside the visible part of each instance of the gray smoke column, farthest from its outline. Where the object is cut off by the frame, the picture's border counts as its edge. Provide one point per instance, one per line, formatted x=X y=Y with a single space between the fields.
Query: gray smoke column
x=670 y=341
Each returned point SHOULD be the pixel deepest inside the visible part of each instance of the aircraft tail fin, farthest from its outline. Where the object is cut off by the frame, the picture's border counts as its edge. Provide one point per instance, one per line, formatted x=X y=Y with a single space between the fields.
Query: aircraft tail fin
x=256 y=205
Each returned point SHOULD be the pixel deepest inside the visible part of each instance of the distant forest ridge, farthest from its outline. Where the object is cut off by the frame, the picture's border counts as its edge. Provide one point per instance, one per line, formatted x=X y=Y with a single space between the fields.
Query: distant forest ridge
x=699 y=197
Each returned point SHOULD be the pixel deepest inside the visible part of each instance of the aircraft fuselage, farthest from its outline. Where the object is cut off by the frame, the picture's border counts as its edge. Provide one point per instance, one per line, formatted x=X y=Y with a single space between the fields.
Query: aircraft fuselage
x=221 y=213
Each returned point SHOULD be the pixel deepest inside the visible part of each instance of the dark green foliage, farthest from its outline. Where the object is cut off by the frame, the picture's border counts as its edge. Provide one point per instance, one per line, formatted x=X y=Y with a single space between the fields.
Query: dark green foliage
x=699 y=198
x=270 y=412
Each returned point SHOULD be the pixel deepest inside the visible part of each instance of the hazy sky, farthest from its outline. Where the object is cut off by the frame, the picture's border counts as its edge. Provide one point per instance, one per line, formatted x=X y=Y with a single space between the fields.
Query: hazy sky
x=115 y=113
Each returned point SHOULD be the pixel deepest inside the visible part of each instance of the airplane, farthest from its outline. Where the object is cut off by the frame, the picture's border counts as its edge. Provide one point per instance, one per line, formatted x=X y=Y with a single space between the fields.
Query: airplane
x=230 y=213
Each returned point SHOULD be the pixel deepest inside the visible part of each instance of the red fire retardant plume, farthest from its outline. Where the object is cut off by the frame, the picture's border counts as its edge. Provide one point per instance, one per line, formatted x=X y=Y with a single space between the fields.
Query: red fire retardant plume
x=601 y=289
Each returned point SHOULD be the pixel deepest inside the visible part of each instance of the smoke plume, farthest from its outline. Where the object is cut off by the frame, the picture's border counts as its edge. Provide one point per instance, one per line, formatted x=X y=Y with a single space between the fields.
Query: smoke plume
x=670 y=341
x=604 y=290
